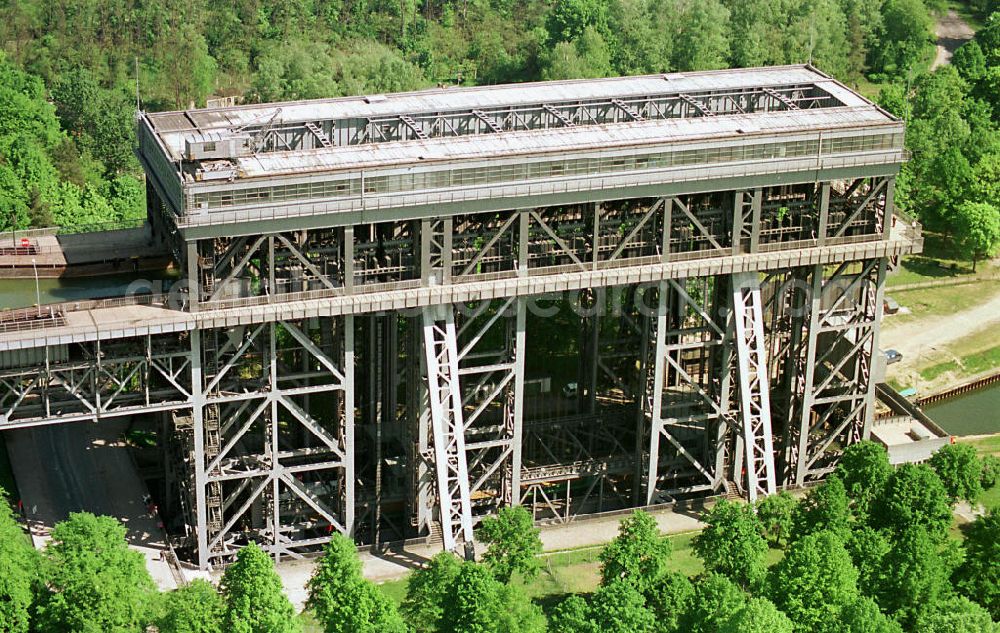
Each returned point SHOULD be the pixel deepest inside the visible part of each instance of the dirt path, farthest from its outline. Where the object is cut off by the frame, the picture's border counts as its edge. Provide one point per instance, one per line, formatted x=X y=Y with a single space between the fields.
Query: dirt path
x=952 y=31
x=919 y=337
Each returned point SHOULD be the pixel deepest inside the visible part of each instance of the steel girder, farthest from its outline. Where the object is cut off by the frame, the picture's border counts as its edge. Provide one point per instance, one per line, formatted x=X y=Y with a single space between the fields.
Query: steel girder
x=834 y=401
x=89 y=382
x=276 y=135
x=687 y=405
x=265 y=467
x=475 y=387
x=448 y=426
x=755 y=397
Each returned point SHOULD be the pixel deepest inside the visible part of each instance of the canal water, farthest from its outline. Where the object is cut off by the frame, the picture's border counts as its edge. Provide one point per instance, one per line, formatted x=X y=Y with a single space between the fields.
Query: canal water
x=22 y=293
x=975 y=413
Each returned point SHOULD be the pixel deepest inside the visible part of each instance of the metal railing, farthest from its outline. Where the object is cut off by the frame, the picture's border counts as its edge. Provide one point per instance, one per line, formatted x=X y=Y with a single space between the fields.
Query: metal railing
x=690 y=173
x=780 y=254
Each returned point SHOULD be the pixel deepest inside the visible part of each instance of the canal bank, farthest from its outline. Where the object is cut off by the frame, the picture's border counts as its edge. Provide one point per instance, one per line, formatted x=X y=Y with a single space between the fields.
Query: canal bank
x=25 y=292
x=970 y=409
x=47 y=253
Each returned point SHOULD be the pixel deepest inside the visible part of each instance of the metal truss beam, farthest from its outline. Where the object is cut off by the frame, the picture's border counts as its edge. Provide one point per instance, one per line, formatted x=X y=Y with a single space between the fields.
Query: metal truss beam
x=755 y=405
x=447 y=423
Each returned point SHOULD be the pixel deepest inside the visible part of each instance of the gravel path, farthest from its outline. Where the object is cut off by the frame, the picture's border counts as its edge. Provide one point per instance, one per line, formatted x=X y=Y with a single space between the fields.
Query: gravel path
x=918 y=337
x=952 y=31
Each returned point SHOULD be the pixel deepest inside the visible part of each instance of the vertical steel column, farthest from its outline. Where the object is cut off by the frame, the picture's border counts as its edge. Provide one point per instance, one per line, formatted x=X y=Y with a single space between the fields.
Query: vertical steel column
x=801 y=446
x=755 y=407
x=200 y=478
x=272 y=450
x=349 y=466
x=193 y=274
x=652 y=397
x=520 y=350
x=755 y=206
x=824 y=211
x=876 y=295
x=445 y=395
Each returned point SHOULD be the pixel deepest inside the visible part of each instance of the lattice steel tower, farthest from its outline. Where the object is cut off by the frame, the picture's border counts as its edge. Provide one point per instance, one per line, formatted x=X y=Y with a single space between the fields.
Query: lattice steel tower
x=404 y=311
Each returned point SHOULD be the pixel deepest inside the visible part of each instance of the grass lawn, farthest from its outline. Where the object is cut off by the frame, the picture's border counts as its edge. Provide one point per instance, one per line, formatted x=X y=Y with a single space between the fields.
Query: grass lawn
x=940 y=261
x=579 y=571
x=988 y=445
x=943 y=300
x=932 y=372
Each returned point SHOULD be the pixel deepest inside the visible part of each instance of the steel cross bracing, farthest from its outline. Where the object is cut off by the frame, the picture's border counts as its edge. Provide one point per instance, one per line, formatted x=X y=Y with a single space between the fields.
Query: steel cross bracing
x=475 y=398
x=686 y=405
x=448 y=427
x=672 y=403
x=262 y=460
x=293 y=135
x=755 y=404
x=835 y=403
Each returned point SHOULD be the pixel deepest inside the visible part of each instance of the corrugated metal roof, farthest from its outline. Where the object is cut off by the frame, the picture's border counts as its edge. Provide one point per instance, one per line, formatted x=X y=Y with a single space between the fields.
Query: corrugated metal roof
x=577 y=139
x=445 y=99
x=175 y=128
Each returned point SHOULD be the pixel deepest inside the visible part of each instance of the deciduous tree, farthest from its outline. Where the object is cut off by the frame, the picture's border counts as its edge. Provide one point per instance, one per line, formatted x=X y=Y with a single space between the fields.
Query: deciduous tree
x=957 y=615
x=775 y=513
x=977 y=226
x=960 y=471
x=863 y=616
x=619 y=608
x=731 y=543
x=759 y=615
x=638 y=556
x=426 y=591
x=670 y=598
x=512 y=543
x=255 y=602
x=823 y=508
x=193 y=608
x=343 y=600
x=916 y=576
x=572 y=615
x=477 y=602
x=95 y=581
x=978 y=577
x=19 y=562
x=864 y=469
x=814 y=581
x=913 y=496
x=716 y=599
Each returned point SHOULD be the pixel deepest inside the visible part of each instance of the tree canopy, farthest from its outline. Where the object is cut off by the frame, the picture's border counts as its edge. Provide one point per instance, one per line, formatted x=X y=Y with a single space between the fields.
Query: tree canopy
x=343 y=600
x=512 y=543
x=19 y=563
x=638 y=555
x=194 y=608
x=255 y=602
x=95 y=582
x=731 y=543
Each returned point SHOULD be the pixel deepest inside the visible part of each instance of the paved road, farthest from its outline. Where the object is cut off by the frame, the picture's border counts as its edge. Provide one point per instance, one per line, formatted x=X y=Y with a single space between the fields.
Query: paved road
x=952 y=31
x=85 y=467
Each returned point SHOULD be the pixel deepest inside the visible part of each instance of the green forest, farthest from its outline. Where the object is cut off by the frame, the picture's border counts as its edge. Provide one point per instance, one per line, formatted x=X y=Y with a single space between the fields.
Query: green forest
x=873 y=549
x=71 y=71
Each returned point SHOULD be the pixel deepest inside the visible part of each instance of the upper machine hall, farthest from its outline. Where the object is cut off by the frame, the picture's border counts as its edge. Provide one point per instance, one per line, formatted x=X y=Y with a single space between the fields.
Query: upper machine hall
x=328 y=162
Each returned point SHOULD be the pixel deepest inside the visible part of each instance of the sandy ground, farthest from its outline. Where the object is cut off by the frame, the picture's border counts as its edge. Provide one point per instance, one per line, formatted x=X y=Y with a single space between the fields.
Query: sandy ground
x=952 y=32
x=78 y=467
x=917 y=338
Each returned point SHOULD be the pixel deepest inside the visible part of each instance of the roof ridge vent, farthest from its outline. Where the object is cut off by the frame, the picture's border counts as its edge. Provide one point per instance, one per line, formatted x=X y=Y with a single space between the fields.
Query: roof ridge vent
x=375 y=98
